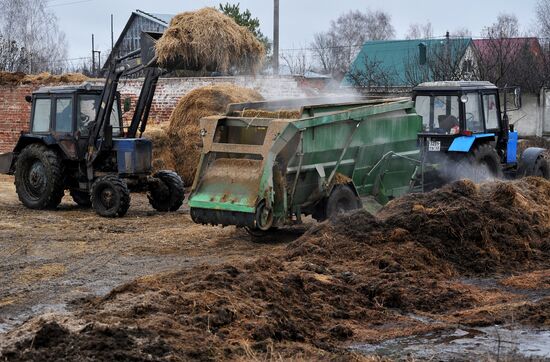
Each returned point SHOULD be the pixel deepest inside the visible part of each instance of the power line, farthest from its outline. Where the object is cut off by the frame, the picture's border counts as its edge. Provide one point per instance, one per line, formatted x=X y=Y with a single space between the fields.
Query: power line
x=69 y=3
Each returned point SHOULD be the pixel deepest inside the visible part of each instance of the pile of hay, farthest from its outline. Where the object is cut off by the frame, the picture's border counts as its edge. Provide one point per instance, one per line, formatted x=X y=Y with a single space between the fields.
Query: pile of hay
x=7 y=78
x=208 y=40
x=179 y=146
x=47 y=78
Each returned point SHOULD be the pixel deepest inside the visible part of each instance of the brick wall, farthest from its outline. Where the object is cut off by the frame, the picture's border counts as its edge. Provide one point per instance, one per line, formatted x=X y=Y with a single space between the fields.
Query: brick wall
x=15 y=111
x=14 y=114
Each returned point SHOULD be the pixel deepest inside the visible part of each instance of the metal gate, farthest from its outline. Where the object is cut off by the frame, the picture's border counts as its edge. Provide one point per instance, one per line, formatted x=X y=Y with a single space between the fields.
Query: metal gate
x=546 y=111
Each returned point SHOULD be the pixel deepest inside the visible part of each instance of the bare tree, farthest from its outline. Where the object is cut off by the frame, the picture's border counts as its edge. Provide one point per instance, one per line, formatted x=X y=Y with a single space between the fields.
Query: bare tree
x=505 y=59
x=34 y=27
x=441 y=60
x=420 y=31
x=13 y=58
x=461 y=33
x=336 y=49
x=506 y=26
x=542 y=11
x=371 y=73
x=298 y=63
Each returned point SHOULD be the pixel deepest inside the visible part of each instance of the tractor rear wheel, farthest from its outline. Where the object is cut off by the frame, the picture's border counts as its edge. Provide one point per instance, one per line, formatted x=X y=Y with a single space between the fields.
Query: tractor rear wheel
x=81 y=198
x=39 y=177
x=110 y=196
x=169 y=195
x=482 y=164
x=342 y=199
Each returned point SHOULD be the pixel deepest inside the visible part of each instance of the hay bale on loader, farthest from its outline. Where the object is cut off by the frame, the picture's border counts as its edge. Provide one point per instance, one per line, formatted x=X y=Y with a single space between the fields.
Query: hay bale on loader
x=208 y=40
x=178 y=146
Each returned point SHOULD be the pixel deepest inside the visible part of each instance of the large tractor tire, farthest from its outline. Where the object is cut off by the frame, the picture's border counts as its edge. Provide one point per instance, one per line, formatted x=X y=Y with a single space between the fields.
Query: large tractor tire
x=342 y=199
x=533 y=162
x=39 y=179
x=110 y=196
x=481 y=164
x=542 y=168
x=169 y=194
x=81 y=198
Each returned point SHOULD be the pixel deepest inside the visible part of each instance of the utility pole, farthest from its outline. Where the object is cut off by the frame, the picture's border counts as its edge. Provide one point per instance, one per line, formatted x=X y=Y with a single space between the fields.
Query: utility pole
x=93 y=55
x=276 y=38
x=112 y=33
x=94 y=52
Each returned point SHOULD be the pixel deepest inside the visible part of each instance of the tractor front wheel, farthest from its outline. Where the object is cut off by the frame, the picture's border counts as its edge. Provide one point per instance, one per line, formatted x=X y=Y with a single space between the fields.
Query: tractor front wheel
x=110 y=196
x=39 y=177
x=482 y=164
x=168 y=193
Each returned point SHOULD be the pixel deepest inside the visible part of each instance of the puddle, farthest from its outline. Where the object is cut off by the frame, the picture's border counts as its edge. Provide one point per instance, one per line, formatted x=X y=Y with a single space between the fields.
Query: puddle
x=465 y=344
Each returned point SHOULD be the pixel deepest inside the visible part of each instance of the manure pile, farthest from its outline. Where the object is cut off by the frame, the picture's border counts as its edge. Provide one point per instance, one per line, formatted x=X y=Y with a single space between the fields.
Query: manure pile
x=207 y=39
x=352 y=279
x=178 y=146
x=7 y=78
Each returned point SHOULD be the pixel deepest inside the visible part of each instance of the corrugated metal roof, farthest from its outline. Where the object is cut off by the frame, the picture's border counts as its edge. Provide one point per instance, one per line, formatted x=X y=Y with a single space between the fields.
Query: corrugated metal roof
x=394 y=56
x=163 y=19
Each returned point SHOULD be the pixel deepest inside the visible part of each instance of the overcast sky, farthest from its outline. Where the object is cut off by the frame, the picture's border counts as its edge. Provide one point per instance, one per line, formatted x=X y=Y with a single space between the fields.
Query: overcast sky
x=300 y=19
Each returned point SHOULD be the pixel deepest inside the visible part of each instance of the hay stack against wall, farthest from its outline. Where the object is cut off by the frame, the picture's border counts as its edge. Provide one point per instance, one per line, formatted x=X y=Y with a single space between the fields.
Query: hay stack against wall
x=208 y=40
x=178 y=146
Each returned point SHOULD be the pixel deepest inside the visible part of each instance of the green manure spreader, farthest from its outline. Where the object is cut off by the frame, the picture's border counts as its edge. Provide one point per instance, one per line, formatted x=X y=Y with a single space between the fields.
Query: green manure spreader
x=267 y=164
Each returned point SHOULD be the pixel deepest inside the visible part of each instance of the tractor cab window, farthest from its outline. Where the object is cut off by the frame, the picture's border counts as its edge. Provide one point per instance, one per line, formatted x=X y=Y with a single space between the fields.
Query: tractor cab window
x=491 y=111
x=87 y=109
x=64 y=115
x=473 y=116
x=440 y=114
x=42 y=115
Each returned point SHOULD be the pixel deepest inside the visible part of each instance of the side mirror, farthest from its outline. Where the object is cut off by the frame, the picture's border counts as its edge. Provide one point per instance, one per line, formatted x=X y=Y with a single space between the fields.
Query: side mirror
x=28 y=99
x=127 y=105
x=517 y=97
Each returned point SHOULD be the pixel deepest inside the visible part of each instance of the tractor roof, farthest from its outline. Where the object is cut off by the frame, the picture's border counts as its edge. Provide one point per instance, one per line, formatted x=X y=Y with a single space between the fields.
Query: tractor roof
x=66 y=89
x=454 y=86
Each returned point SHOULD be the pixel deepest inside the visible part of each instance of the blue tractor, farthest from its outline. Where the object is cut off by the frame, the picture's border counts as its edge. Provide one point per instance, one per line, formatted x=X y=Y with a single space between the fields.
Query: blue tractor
x=77 y=142
x=466 y=133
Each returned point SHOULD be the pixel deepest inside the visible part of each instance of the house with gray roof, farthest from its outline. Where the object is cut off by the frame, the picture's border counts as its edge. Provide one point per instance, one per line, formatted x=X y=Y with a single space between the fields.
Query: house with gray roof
x=139 y=21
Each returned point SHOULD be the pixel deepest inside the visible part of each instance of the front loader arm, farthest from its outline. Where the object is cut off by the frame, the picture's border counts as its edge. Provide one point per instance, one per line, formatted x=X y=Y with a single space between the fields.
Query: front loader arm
x=101 y=134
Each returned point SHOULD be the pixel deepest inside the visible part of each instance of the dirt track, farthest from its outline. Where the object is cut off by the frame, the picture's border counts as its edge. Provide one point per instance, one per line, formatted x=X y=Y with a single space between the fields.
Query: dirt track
x=49 y=258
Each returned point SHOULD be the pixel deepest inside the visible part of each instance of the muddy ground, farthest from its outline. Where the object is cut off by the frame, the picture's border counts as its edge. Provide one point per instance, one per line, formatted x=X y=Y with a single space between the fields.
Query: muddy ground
x=462 y=273
x=49 y=258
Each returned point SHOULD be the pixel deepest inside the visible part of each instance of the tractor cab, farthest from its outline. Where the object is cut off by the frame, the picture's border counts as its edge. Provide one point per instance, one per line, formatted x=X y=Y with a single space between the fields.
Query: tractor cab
x=456 y=115
x=466 y=132
x=66 y=115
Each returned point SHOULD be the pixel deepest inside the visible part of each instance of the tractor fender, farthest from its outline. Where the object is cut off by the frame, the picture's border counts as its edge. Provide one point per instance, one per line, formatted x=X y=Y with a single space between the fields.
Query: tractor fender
x=464 y=143
x=24 y=140
x=27 y=139
x=528 y=160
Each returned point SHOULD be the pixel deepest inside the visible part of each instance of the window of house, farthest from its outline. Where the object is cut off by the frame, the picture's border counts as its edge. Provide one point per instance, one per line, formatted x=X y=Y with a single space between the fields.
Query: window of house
x=64 y=115
x=42 y=115
x=490 y=108
x=474 y=122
